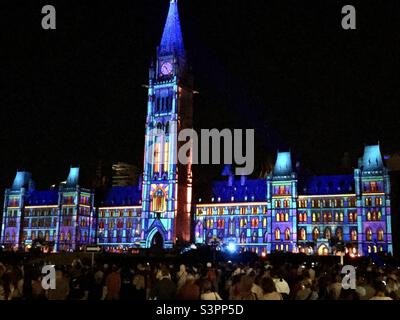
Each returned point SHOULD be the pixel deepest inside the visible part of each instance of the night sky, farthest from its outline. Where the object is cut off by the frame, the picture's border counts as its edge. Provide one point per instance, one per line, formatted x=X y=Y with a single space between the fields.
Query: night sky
x=74 y=96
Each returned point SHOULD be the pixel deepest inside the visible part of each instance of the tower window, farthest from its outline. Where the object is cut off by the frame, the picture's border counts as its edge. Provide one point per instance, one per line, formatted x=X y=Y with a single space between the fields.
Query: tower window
x=158 y=202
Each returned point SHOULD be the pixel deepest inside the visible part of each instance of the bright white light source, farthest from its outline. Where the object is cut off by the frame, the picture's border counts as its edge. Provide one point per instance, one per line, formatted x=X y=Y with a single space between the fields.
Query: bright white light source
x=231 y=247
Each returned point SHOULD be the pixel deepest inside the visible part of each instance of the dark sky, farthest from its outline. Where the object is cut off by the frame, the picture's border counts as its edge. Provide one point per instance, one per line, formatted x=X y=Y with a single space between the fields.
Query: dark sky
x=285 y=68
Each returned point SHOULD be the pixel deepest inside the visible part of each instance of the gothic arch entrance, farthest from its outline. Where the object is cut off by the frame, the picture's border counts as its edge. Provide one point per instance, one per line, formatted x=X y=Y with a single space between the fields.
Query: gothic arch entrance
x=157 y=241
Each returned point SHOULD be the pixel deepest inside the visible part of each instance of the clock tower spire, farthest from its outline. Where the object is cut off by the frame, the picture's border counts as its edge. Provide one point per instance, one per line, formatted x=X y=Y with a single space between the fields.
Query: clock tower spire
x=167 y=184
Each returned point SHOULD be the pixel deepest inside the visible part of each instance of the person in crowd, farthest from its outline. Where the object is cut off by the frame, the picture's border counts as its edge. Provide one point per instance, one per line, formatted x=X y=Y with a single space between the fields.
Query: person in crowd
x=139 y=287
x=61 y=290
x=190 y=290
x=269 y=290
x=380 y=291
x=113 y=284
x=335 y=287
x=243 y=289
x=164 y=288
x=181 y=276
x=208 y=292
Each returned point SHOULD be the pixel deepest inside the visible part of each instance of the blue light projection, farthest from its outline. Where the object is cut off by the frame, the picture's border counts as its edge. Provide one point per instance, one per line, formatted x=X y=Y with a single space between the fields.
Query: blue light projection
x=172 y=40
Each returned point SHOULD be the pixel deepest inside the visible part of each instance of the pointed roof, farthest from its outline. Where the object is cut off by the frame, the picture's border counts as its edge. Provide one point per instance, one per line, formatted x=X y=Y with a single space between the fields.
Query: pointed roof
x=283 y=164
x=172 y=40
x=372 y=159
x=22 y=179
x=73 y=177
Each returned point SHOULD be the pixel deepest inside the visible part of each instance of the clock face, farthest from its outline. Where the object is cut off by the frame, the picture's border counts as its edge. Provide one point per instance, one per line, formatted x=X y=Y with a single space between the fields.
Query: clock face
x=166 y=68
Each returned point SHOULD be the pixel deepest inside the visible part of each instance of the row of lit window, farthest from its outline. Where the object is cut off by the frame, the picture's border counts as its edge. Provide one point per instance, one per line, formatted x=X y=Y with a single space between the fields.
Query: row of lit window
x=120 y=233
x=119 y=213
x=230 y=211
x=378 y=202
x=40 y=212
x=120 y=224
x=326 y=203
x=39 y=223
x=374 y=216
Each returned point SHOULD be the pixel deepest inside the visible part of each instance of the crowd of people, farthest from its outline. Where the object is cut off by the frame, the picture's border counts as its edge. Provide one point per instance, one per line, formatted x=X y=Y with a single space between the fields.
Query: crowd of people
x=208 y=281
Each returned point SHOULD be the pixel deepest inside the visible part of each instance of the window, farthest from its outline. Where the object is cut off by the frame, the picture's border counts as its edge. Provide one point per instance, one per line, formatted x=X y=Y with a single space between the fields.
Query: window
x=277 y=234
x=286 y=217
x=380 y=235
x=368 y=202
x=353 y=235
x=254 y=222
x=278 y=217
x=373 y=186
x=166 y=156
x=368 y=216
x=327 y=233
x=231 y=227
x=368 y=234
x=339 y=233
x=254 y=237
x=287 y=234
x=302 y=234
x=264 y=222
x=243 y=237
x=156 y=156
x=278 y=203
x=286 y=203
x=243 y=210
x=378 y=201
x=350 y=217
x=158 y=202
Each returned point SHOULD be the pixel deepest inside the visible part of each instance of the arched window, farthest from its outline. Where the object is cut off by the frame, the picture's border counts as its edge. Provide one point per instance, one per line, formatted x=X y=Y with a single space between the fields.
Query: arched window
x=373 y=216
x=287 y=234
x=350 y=217
x=254 y=237
x=300 y=217
x=380 y=235
x=315 y=234
x=69 y=236
x=264 y=222
x=265 y=237
x=277 y=234
x=286 y=217
x=339 y=233
x=353 y=235
x=327 y=233
x=199 y=230
x=158 y=203
x=368 y=216
x=243 y=237
x=379 y=215
x=278 y=216
x=341 y=217
x=302 y=234
x=368 y=234
x=231 y=230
